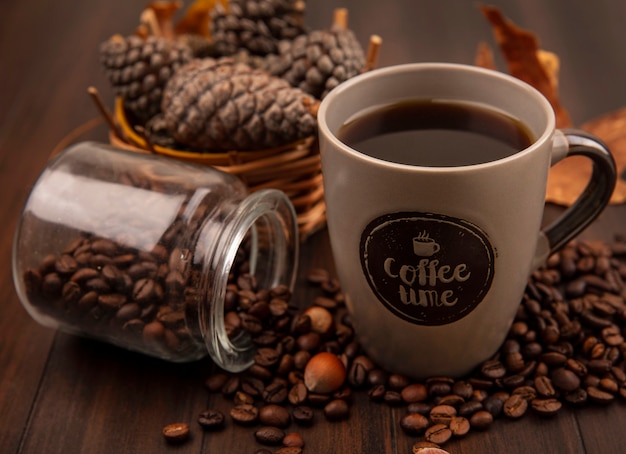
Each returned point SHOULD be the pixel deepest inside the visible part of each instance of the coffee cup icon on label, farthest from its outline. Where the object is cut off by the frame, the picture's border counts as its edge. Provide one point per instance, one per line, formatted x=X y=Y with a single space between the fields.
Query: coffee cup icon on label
x=424 y=246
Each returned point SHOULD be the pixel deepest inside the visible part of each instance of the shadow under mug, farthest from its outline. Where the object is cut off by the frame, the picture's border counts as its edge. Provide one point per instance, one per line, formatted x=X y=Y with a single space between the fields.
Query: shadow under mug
x=434 y=260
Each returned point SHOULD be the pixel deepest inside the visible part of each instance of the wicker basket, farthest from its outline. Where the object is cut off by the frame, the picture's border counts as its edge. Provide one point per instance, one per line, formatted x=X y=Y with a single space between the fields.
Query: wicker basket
x=295 y=169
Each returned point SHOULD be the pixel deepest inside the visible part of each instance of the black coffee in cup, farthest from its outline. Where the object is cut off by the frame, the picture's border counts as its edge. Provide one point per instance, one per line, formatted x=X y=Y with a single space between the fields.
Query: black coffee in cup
x=435 y=133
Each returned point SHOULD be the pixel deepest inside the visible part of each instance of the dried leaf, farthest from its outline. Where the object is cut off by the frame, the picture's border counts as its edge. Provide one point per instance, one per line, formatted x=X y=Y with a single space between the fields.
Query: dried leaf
x=164 y=11
x=526 y=60
x=197 y=18
x=568 y=178
x=484 y=56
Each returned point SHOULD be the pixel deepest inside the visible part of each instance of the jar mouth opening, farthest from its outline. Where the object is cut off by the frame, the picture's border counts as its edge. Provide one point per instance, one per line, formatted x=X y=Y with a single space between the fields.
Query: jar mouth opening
x=264 y=228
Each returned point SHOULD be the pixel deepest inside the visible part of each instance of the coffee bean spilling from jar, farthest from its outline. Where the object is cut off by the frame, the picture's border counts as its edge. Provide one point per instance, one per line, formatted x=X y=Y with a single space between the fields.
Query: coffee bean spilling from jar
x=565 y=348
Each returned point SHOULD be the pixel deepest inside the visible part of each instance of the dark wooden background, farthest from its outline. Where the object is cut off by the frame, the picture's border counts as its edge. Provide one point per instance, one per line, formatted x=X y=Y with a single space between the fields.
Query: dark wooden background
x=60 y=394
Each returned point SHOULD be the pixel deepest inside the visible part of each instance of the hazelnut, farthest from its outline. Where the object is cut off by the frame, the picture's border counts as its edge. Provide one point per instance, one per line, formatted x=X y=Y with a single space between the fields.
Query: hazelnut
x=324 y=373
x=321 y=319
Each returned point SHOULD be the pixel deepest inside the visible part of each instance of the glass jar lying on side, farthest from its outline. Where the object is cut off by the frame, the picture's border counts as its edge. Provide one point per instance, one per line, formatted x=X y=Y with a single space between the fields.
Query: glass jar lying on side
x=137 y=250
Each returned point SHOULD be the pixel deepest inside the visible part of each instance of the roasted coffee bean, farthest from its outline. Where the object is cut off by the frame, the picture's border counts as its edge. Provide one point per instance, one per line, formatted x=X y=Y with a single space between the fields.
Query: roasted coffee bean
x=459 y=426
x=525 y=392
x=336 y=410
x=544 y=387
x=298 y=394
x=515 y=406
x=269 y=435
x=416 y=392
x=442 y=414
x=274 y=415
x=377 y=393
x=318 y=399
x=392 y=398
x=599 y=396
x=414 y=423
x=438 y=433
x=493 y=369
x=493 y=405
x=309 y=342
x=398 y=382
x=576 y=397
x=423 y=408
x=565 y=379
x=463 y=389
x=176 y=432
x=451 y=400
x=481 y=420
x=469 y=408
x=377 y=377
x=303 y=415
x=211 y=419
x=275 y=393
x=243 y=398
x=293 y=440
x=266 y=357
x=546 y=407
x=244 y=414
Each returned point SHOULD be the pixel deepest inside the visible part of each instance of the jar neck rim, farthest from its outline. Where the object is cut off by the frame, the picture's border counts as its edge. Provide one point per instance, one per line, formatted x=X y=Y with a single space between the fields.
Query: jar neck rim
x=268 y=219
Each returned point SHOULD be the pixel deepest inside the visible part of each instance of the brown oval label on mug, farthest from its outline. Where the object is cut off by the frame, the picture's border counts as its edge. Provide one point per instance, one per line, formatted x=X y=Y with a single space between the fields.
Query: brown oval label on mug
x=428 y=269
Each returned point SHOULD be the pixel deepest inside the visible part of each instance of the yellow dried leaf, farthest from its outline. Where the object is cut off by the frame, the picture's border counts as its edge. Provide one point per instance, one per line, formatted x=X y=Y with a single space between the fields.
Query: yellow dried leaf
x=197 y=17
x=484 y=56
x=568 y=178
x=526 y=61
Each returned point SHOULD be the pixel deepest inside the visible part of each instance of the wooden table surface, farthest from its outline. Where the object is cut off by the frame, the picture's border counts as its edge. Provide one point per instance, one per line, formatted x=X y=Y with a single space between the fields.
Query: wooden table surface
x=60 y=394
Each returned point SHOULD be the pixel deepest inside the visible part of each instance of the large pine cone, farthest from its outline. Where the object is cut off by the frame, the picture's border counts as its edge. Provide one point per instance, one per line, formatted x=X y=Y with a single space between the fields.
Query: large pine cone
x=256 y=25
x=319 y=61
x=222 y=105
x=139 y=68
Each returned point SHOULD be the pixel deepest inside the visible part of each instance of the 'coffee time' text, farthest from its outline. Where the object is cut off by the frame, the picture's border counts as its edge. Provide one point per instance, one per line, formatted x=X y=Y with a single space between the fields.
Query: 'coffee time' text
x=420 y=284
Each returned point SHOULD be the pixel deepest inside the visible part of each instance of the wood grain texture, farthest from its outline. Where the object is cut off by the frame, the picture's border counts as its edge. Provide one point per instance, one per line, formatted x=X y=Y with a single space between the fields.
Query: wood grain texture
x=60 y=394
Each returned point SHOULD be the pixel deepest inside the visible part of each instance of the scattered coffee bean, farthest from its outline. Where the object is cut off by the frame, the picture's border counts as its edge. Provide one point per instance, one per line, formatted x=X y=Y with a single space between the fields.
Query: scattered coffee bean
x=269 y=435
x=211 y=419
x=303 y=415
x=293 y=440
x=176 y=432
x=459 y=426
x=564 y=348
x=244 y=414
x=515 y=406
x=274 y=415
x=414 y=423
x=546 y=407
x=336 y=410
x=481 y=420
x=439 y=434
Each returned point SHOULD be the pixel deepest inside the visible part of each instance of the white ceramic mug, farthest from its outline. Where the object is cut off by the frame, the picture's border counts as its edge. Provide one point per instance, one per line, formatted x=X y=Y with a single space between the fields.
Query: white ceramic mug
x=434 y=260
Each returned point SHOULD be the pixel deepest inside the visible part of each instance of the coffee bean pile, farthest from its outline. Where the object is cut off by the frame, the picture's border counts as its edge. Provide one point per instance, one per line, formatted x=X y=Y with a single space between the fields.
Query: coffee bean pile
x=565 y=347
x=114 y=287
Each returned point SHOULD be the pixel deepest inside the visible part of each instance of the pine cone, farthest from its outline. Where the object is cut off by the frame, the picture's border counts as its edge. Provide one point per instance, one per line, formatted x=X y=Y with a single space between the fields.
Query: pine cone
x=256 y=25
x=222 y=105
x=138 y=69
x=318 y=61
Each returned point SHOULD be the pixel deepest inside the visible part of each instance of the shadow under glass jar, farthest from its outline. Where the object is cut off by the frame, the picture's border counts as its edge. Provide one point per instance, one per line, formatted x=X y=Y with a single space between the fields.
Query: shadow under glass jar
x=137 y=251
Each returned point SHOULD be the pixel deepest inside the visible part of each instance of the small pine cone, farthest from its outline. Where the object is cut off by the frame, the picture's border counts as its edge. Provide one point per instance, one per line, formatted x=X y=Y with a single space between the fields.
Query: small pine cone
x=318 y=61
x=138 y=69
x=222 y=105
x=256 y=25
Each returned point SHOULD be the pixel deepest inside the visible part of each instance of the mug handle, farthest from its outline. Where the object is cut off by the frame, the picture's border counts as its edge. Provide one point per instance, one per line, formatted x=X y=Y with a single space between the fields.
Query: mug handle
x=594 y=198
